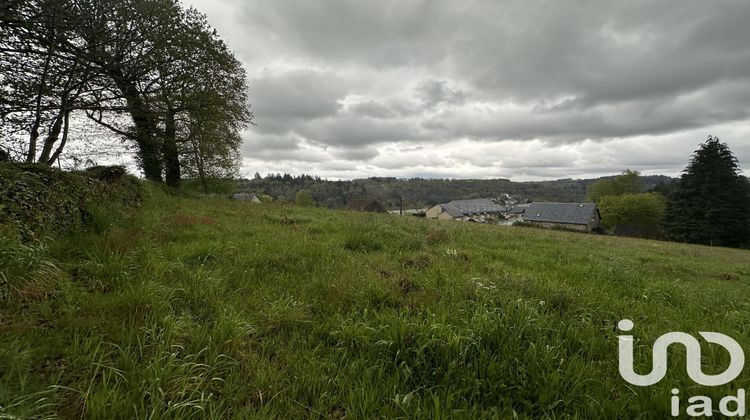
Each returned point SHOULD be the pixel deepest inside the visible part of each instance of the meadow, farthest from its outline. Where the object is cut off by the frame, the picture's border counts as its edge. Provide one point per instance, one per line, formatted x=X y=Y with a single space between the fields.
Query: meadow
x=197 y=307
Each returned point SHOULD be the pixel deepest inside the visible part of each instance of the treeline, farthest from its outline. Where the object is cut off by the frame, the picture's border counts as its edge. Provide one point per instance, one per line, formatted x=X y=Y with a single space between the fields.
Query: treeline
x=420 y=192
x=152 y=72
x=709 y=204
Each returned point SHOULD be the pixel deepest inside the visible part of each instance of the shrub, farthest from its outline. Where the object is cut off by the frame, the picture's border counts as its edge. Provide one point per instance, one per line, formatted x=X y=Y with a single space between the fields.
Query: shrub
x=632 y=209
x=304 y=199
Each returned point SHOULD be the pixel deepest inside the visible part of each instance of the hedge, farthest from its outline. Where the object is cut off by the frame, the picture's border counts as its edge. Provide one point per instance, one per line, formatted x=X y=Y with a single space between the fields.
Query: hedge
x=37 y=200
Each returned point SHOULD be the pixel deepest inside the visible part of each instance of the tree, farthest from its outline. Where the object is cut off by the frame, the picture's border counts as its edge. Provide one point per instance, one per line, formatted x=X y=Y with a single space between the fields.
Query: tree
x=42 y=81
x=711 y=201
x=148 y=70
x=304 y=199
x=203 y=102
x=629 y=182
x=632 y=209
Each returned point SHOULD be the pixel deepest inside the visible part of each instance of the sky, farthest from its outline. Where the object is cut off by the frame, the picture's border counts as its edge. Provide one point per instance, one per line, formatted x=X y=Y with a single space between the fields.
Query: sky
x=525 y=90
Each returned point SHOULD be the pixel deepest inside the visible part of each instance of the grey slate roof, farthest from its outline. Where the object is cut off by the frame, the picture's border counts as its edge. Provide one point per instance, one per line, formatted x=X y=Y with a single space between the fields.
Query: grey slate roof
x=460 y=208
x=519 y=209
x=452 y=210
x=573 y=213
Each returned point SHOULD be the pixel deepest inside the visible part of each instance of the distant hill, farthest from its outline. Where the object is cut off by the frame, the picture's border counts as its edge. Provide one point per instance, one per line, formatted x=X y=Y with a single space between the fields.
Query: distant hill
x=420 y=192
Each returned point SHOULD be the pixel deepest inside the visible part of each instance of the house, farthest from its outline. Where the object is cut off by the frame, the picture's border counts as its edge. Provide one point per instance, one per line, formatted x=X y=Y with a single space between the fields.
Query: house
x=582 y=217
x=477 y=210
x=246 y=197
x=366 y=204
x=516 y=211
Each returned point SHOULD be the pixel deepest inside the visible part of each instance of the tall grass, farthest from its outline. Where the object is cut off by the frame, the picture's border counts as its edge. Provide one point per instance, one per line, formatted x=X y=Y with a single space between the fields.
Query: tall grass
x=206 y=308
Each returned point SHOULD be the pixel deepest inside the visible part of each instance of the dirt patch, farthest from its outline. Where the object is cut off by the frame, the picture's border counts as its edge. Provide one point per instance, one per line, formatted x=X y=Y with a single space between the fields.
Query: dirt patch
x=727 y=276
x=189 y=220
x=437 y=236
x=420 y=262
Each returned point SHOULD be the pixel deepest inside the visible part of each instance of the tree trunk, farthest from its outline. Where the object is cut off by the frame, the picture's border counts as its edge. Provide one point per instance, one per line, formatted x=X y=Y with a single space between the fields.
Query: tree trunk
x=171 y=155
x=31 y=154
x=149 y=152
x=67 y=100
x=54 y=133
x=56 y=155
x=199 y=166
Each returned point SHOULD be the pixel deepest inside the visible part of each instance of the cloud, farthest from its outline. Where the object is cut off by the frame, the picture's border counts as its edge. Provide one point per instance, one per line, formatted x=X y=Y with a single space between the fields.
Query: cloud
x=372 y=109
x=526 y=90
x=436 y=92
x=296 y=95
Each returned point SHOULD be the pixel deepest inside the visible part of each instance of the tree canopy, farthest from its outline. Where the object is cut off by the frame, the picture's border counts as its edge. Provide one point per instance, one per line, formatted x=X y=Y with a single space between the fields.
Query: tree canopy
x=152 y=72
x=632 y=209
x=304 y=199
x=710 y=203
x=629 y=182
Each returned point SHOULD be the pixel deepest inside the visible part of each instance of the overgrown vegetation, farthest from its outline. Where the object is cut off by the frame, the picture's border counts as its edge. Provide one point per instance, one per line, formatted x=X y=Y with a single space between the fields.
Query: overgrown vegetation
x=202 y=307
x=632 y=209
x=36 y=200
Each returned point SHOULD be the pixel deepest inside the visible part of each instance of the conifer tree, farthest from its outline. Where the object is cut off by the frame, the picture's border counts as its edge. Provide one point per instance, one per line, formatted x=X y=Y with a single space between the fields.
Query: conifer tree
x=711 y=201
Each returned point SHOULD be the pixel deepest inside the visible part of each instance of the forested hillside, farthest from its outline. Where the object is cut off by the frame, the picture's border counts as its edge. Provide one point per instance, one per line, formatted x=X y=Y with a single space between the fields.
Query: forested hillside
x=419 y=192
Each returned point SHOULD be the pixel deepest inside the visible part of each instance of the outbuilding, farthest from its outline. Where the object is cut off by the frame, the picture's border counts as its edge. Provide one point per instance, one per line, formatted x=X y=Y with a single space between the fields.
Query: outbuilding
x=253 y=198
x=582 y=217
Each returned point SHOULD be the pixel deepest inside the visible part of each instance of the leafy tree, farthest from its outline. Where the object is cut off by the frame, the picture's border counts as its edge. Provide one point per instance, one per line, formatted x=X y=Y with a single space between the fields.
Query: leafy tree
x=204 y=102
x=215 y=115
x=150 y=71
x=711 y=201
x=42 y=81
x=129 y=42
x=304 y=199
x=632 y=209
x=629 y=182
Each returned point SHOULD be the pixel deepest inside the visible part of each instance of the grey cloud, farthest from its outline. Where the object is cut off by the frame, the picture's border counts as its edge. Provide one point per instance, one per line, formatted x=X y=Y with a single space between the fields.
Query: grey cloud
x=296 y=95
x=254 y=142
x=356 y=154
x=372 y=109
x=435 y=92
x=343 y=30
x=359 y=131
x=716 y=104
x=293 y=155
x=367 y=81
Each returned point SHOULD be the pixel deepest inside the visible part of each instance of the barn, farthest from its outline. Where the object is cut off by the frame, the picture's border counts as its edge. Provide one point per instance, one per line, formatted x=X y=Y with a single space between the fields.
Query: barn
x=582 y=217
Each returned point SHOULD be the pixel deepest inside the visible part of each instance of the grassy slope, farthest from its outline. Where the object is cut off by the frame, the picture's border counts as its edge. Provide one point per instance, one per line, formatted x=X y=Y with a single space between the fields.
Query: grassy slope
x=213 y=308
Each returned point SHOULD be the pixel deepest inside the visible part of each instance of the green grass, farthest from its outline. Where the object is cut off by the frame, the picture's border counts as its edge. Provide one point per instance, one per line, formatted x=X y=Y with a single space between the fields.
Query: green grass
x=208 y=308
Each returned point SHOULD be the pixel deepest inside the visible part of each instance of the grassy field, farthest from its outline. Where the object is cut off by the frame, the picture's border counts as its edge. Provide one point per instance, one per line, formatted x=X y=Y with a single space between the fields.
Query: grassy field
x=200 y=307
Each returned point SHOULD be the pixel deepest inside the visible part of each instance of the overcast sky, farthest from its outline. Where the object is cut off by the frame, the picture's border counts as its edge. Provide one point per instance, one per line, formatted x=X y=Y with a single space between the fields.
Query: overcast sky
x=484 y=89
